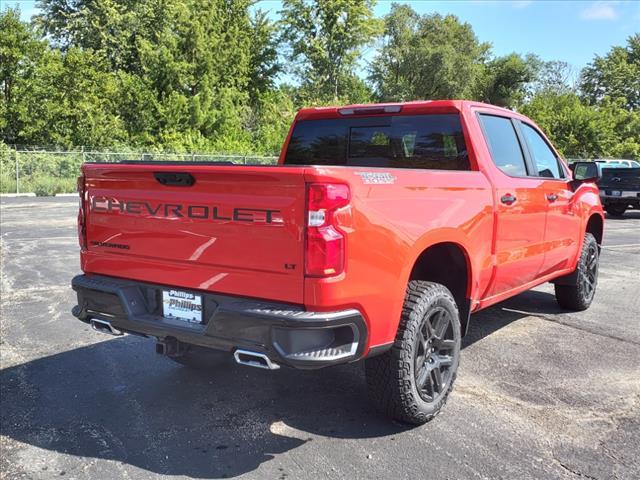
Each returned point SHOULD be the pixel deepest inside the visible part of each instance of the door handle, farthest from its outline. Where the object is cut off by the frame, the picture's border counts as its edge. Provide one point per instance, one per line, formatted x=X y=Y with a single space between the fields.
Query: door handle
x=552 y=197
x=508 y=199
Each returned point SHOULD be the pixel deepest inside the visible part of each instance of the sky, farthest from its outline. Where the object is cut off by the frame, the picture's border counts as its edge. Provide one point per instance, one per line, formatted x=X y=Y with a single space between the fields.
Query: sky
x=571 y=31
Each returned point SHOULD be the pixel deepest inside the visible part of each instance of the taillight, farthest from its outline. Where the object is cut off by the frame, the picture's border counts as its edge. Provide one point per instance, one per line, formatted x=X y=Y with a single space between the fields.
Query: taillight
x=82 y=230
x=325 y=244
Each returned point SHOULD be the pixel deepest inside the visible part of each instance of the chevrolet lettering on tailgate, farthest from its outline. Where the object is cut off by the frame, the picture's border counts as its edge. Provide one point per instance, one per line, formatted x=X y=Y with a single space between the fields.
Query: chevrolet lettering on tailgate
x=176 y=210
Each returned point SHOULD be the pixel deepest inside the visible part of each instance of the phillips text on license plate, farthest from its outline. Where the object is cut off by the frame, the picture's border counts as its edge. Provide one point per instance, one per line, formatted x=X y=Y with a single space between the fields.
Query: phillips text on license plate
x=182 y=306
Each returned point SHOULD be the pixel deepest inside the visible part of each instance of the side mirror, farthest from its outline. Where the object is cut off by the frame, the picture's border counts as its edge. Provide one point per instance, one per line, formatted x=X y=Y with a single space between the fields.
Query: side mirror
x=586 y=171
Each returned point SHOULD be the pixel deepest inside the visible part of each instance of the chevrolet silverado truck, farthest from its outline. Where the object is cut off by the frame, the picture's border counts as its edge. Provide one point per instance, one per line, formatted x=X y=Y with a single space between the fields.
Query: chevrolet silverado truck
x=619 y=187
x=381 y=229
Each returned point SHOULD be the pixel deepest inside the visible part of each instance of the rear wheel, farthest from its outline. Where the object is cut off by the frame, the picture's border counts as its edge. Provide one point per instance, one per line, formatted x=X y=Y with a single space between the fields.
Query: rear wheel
x=616 y=210
x=579 y=296
x=411 y=381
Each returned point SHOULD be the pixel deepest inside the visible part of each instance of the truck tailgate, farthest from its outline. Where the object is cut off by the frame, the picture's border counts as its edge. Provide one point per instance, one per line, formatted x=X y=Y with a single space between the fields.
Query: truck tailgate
x=203 y=227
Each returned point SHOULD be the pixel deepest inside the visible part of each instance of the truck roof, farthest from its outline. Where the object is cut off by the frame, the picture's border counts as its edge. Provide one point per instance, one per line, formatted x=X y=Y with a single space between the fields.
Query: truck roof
x=415 y=107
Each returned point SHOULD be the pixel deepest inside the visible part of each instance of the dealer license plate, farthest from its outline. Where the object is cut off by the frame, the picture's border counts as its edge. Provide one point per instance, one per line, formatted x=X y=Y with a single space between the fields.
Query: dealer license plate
x=181 y=305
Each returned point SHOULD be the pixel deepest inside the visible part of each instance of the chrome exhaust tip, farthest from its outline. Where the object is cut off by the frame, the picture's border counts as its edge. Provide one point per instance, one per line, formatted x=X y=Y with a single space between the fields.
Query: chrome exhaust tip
x=103 y=326
x=254 y=359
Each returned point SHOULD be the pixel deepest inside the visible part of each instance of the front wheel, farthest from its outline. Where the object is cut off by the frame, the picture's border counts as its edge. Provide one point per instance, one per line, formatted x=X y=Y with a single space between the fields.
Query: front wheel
x=411 y=381
x=579 y=296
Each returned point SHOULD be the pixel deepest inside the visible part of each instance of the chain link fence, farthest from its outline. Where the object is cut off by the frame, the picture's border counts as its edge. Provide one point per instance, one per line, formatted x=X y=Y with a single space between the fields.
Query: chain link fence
x=49 y=171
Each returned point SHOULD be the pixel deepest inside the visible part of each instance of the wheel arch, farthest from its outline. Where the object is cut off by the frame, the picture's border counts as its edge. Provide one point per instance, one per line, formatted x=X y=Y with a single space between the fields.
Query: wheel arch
x=595 y=226
x=449 y=264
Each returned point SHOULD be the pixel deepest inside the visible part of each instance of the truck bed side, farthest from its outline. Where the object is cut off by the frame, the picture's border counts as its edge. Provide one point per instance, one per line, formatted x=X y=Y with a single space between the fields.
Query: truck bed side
x=392 y=224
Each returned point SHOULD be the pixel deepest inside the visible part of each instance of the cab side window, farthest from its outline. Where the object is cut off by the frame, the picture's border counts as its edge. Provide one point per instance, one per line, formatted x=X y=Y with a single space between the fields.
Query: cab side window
x=504 y=145
x=543 y=157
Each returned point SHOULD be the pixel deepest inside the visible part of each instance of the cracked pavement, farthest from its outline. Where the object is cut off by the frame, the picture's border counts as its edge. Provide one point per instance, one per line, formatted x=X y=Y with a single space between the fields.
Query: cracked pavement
x=541 y=392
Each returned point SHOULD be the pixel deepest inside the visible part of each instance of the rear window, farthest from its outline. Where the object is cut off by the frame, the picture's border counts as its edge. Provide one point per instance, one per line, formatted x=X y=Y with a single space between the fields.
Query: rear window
x=416 y=141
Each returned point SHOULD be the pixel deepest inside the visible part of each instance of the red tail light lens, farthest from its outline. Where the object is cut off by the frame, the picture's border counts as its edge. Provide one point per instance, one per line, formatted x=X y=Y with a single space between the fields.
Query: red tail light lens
x=325 y=245
x=82 y=230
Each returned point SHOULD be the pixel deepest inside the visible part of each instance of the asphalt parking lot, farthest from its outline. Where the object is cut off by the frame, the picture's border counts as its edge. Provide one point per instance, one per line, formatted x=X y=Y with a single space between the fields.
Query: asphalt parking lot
x=541 y=393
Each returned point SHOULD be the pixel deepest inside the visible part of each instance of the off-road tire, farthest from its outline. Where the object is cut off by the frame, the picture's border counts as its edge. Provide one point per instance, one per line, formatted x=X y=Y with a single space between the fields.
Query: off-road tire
x=616 y=210
x=391 y=376
x=578 y=297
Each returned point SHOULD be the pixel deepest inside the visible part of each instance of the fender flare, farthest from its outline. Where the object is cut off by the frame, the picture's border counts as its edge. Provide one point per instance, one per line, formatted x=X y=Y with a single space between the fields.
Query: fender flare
x=448 y=235
x=572 y=278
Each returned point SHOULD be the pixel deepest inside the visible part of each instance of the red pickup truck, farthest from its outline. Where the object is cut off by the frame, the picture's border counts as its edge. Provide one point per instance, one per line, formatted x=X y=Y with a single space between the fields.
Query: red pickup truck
x=382 y=228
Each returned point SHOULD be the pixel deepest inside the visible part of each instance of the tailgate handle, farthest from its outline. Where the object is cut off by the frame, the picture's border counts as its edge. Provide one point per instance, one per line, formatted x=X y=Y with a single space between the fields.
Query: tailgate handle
x=176 y=179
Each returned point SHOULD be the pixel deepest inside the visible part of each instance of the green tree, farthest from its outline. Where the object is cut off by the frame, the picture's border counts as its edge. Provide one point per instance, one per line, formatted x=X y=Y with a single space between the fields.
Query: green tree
x=615 y=76
x=626 y=126
x=552 y=76
x=265 y=64
x=186 y=68
x=325 y=39
x=20 y=52
x=109 y=27
x=270 y=120
x=572 y=126
x=427 y=57
x=72 y=101
x=50 y=96
x=582 y=131
x=201 y=75
x=503 y=81
x=198 y=68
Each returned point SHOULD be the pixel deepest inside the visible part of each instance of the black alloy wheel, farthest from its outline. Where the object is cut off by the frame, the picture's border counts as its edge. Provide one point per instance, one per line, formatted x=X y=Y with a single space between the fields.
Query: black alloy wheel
x=579 y=296
x=589 y=277
x=433 y=354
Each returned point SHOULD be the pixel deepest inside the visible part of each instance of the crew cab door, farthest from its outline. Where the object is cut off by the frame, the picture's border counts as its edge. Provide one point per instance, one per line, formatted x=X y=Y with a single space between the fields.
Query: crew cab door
x=562 y=231
x=520 y=207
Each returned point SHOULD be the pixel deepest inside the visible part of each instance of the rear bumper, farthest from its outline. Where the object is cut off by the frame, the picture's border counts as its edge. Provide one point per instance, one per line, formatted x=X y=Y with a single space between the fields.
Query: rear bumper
x=287 y=334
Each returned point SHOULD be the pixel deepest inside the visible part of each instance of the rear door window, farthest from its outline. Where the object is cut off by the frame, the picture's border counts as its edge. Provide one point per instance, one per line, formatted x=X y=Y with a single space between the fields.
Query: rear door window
x=505 y=148
x=417 y=141
x=544 y=159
